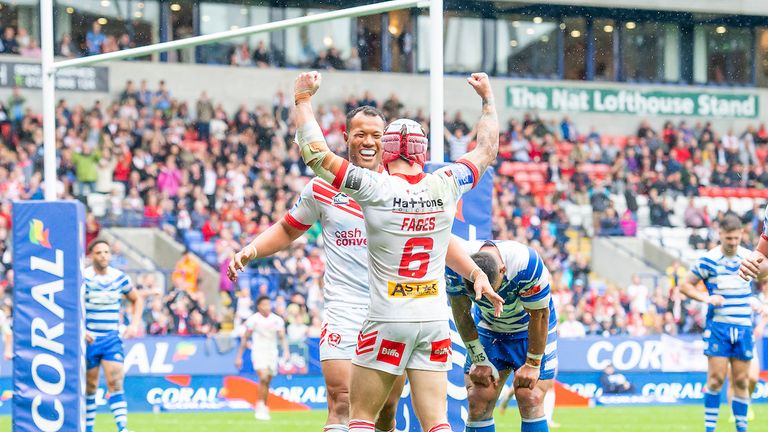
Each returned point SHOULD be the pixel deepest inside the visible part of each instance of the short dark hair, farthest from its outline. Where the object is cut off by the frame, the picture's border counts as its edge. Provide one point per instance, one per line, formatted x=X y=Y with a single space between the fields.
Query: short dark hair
x=489 y=265
x=96 y=243
x=366 y=110
x=261 y=298
x=731 y=222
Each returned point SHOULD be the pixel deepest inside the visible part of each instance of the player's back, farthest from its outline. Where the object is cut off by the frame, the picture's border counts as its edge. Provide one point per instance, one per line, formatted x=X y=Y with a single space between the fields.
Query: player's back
x=720 y=274
x=103 y=298
x=409 y=220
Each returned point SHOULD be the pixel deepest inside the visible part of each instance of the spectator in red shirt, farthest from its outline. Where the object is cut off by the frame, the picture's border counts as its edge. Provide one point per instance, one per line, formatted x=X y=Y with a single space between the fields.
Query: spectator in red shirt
x=212 y=227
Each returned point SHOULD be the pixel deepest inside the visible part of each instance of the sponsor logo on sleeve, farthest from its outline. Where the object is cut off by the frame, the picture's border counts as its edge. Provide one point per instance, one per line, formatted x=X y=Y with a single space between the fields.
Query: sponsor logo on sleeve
x=354 y=179
x=463 y=175
x=531 y=291
x=412 y=289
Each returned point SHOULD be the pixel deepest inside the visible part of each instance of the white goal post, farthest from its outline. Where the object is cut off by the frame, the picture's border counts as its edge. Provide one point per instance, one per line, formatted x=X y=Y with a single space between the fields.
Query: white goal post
x=49 y=67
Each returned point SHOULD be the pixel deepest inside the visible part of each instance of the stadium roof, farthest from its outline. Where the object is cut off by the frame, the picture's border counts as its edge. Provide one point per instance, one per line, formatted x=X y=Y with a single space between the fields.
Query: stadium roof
x=729 y=7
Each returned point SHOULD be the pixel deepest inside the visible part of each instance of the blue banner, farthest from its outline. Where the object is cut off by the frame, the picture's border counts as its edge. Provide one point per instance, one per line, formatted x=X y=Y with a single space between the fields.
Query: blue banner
x=652 y=353
x=651 y=389
x=49 y=316
x=177 y=393
x=198 y=355
x=473 y=215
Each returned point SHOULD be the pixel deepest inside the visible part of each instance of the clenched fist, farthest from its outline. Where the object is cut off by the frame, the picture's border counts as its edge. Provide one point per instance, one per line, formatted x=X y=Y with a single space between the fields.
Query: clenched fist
x=306 y=85
x=482 y=85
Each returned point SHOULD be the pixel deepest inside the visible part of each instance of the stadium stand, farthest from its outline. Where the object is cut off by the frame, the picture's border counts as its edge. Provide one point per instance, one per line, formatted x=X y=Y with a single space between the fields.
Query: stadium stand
x=212 y=182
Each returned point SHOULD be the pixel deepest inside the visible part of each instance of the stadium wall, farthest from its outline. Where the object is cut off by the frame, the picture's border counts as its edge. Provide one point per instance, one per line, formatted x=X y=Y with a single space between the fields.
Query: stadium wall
x=603 y=105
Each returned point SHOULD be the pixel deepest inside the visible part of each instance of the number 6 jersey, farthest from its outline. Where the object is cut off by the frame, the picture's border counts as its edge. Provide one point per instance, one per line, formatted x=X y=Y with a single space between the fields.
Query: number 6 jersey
x=408 y=220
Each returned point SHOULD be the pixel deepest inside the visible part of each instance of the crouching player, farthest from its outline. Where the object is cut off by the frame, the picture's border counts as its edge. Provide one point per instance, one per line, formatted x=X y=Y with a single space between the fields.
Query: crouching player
x=522 y=340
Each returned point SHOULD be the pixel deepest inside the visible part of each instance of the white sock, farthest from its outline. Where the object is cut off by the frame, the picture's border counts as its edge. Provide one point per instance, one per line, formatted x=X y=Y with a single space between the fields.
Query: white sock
x=335 y=428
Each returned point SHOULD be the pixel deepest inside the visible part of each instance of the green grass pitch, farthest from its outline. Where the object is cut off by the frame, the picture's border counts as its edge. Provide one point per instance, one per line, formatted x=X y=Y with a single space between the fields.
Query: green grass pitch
x=601 y=419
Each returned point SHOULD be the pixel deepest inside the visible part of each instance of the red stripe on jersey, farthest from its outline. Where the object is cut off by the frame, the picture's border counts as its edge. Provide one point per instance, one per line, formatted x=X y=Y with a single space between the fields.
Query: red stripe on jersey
x=340 y=175
x=325 y=200
x=473 y=168
x=290 y=220
x=320 y=181
x=411 y=178
x=328 y=191
x=442 y=427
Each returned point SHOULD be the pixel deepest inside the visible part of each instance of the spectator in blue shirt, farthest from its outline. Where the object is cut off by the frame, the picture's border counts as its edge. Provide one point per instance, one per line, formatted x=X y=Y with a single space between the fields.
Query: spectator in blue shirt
x=95 y=39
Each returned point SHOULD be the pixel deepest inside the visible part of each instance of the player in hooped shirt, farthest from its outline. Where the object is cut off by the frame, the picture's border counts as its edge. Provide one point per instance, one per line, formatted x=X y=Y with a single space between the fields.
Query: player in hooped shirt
x=729 y=329
x=105 y=288
x=408 y=216
x=522 y=340
x=345 y=289
x=754 y=267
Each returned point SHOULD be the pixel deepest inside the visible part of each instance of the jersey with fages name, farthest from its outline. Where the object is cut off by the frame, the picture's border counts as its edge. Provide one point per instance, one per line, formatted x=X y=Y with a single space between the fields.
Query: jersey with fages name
x=409 y=221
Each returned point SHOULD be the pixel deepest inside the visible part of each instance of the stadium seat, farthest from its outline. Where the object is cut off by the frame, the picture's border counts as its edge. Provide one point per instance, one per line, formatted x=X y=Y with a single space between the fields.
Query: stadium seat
x=192 y=236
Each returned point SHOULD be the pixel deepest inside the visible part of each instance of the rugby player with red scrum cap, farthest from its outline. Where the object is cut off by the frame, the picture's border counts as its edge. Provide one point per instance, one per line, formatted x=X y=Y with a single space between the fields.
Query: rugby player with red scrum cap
x=408 y=217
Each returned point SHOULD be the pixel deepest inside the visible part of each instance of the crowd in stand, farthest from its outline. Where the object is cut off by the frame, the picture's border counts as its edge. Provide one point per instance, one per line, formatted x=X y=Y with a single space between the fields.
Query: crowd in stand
x=17 y=41
x=193 y=166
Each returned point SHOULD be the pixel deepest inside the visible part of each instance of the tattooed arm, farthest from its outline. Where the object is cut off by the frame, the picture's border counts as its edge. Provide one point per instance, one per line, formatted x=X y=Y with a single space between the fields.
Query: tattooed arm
x=487 y=128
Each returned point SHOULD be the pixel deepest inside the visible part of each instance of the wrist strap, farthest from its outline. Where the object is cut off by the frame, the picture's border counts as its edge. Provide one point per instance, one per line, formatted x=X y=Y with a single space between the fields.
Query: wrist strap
x=472 y=274
x=534 y=356
x=533 y=365
x=476 y=352
x=302 y=96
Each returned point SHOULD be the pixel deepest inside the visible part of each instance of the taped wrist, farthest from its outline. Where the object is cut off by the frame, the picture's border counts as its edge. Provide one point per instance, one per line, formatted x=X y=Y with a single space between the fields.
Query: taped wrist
x=312 y=144
x=533 y=360
x=251 y=251
x=477 y=354
x=302 y=96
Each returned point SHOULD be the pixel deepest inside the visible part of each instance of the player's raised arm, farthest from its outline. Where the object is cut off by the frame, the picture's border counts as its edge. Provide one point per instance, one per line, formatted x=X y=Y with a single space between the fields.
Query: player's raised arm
x=314 y=150
x=487 y=128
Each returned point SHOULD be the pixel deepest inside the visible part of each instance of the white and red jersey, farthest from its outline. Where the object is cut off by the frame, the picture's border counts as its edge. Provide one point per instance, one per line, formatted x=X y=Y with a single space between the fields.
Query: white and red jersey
x=344 y=239
x=409 y=221
x=266 y=330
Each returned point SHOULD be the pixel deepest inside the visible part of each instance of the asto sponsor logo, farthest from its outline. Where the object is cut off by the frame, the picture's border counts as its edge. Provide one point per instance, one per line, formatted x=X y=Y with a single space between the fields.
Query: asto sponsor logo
x=412 y=289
